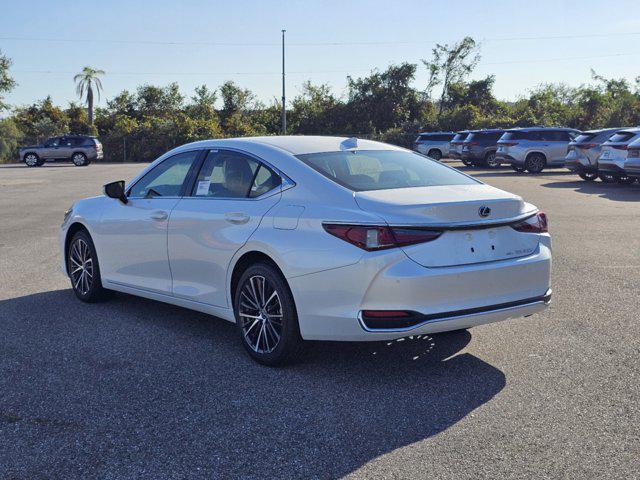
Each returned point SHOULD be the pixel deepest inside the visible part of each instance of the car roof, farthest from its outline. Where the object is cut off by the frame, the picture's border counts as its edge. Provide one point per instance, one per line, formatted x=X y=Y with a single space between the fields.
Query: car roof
x=488 y=130
x=537 y=129
x=295 y=144
x=436 y=133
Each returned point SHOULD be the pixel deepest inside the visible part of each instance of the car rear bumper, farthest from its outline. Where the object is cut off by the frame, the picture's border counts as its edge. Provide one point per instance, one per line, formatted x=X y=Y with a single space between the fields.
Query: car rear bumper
x=632 y=167
x=504 y=158
x=612 y=166
x=330 y=303
x=578 y=166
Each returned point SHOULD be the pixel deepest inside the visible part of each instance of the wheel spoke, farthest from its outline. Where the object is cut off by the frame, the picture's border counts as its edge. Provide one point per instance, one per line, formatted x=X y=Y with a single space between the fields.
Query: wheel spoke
x=260 y=313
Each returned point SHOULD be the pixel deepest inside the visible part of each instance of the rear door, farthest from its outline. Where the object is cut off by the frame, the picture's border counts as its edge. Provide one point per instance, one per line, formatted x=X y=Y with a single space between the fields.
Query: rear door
x=65 y=148
x=558 y=143
x=231 y=194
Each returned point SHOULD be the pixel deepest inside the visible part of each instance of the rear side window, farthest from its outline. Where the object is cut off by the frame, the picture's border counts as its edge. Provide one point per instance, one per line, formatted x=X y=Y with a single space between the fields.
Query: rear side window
x=459 y=137
x=365 y=170
x=228 y=174
x=555 y=136
x=622 y=137
x=487 y=137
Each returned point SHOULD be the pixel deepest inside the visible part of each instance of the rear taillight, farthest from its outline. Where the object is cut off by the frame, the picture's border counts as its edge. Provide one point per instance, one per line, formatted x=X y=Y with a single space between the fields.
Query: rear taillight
x=473 y=142
x=508 y=144
x=621 y=147
x=535 y=224
x=586 y=146
x=380 y=237
x=634 y=153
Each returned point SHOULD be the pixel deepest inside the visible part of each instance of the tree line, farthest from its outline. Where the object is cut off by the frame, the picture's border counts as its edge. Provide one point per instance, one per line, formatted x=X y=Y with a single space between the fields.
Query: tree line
x=384 y=105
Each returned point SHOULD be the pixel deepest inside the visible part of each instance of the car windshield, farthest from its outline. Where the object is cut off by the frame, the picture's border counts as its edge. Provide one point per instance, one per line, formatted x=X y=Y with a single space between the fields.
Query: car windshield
x=363 y=170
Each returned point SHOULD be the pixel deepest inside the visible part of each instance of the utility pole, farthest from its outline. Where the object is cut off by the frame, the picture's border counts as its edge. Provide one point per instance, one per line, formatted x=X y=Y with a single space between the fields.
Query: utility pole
x=284 y=105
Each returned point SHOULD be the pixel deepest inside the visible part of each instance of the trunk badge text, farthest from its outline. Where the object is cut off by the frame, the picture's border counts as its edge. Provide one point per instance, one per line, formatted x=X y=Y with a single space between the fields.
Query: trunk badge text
x=484 y=211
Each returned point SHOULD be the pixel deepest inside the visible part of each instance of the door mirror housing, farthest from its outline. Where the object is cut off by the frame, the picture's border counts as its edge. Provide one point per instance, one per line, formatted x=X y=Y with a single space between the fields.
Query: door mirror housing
x=116 y=190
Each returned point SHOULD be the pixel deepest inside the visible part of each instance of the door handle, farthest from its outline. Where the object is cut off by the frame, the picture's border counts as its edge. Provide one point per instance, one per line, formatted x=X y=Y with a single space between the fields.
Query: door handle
x=237 y=218
x=159 y=215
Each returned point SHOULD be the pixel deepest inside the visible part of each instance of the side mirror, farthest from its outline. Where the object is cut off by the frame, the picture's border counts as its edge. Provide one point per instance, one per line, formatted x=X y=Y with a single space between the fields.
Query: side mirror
x=116 y=190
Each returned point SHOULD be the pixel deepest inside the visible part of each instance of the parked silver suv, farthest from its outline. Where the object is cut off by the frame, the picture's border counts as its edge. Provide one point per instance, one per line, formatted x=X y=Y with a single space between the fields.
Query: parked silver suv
x=434 y=144
x=584 y=151
x=80 y=149
x=534 y=148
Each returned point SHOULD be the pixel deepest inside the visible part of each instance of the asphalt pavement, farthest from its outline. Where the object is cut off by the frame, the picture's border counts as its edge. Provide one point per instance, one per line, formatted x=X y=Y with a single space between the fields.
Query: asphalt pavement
x=133 y=388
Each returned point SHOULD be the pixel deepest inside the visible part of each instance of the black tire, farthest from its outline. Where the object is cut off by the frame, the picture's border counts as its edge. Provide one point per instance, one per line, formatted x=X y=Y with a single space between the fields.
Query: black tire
x=588 y=176
x=467 y=162
x=535 y=163
x=81 y=253
x=435 y=154
x=257 y=322
x=32 y=160
x=608 y=177
x=517 y=169
x=79 y=159
x=490 y=160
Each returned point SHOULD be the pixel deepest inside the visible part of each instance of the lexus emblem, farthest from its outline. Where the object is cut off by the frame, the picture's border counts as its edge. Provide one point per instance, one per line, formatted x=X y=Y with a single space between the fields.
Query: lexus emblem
x=484 y=211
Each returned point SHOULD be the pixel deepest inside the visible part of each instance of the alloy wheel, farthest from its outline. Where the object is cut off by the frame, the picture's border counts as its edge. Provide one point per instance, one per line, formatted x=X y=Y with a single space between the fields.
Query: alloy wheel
x=81 y=266
x=78 y=159
x=260 y=313
x=491 y=161
x=31 y=160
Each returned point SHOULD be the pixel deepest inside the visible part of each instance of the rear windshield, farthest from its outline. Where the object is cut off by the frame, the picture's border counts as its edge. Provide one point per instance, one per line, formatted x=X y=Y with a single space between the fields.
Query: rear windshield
x=515 y=136
x=460 y=137
x=363 y=170
x=622 y=137
x=484 y=136
x=585 y=137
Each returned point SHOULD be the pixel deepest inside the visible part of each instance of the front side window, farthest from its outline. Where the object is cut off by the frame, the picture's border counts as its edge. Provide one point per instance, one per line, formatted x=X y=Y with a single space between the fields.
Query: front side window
x=166 y=178
x=229 y=174
x=52 y=142
x=363 y=170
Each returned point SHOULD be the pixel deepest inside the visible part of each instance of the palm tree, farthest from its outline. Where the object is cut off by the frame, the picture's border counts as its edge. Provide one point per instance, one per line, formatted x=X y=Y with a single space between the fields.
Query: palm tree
x=87 y=80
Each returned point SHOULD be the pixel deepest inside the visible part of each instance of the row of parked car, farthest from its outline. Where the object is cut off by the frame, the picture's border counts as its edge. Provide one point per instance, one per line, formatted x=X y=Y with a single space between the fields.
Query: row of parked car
x=611 y=154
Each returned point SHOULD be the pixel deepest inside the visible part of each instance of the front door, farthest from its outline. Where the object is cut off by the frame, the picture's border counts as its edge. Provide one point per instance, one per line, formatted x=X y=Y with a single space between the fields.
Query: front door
x=132 y=244
x=232 y=192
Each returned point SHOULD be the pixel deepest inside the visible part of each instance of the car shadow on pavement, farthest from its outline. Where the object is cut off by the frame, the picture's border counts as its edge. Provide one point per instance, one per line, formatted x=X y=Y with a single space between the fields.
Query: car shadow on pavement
x=611 y=191
x=131 y=388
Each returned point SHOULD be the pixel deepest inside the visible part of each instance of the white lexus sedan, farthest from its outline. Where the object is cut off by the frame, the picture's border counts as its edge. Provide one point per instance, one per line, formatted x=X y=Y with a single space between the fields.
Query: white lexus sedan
x=312 y=238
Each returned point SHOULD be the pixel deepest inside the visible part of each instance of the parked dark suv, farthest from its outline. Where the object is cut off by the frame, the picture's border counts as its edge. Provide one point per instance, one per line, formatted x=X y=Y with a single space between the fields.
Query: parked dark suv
x=479 y=148
x=80 y=149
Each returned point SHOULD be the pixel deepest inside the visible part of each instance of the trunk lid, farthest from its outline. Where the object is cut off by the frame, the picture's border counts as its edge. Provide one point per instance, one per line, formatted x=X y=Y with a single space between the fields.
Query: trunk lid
x=468 y=236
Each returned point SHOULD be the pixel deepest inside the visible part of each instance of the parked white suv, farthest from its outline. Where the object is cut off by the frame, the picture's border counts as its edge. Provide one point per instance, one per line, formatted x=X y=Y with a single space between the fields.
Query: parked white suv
x=535 y=148
x=611 y=163
x=434 y=145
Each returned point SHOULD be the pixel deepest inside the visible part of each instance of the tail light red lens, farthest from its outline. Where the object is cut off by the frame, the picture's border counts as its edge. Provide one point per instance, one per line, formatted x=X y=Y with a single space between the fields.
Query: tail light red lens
x=380 y=237
x=586 y=146
x=620 y=147
x=536 y=224
x=508 y=144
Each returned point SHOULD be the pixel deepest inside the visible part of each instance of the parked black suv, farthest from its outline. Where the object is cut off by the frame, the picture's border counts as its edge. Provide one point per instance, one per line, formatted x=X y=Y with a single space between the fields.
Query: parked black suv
x=80 y=149
x=479 y=148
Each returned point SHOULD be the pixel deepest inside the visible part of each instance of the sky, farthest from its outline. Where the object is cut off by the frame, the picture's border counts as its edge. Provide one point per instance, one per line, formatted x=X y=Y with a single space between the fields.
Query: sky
x=523 y=43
